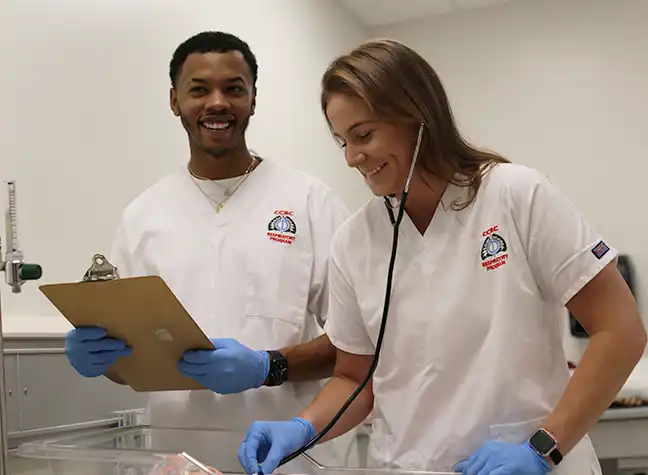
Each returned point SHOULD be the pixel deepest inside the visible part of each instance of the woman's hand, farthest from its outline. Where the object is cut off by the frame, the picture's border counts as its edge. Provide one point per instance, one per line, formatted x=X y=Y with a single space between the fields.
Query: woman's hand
x=501 y=458
x=267 y=443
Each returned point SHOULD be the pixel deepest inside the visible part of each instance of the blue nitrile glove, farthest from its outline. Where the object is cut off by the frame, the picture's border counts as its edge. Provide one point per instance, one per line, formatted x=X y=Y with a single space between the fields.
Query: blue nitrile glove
x=267 y=443
x=501 y=458
x=230 y=368
x=91 y=352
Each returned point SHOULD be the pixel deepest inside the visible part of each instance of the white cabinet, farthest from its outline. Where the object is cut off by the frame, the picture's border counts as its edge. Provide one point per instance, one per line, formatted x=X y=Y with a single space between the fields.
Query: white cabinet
x=44 y=391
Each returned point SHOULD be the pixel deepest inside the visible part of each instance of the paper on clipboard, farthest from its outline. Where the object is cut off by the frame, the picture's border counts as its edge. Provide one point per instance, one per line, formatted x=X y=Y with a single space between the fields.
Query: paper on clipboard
x=143 y=312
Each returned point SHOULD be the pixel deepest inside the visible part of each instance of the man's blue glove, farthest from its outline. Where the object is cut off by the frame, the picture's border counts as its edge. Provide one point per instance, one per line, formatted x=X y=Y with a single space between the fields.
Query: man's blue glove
x=91 y=352
x=267 y=443
x=230 y=368
x=500 y=458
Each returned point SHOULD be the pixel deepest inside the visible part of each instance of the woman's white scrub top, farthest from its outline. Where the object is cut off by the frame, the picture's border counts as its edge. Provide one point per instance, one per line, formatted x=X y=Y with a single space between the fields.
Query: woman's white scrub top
x=473 y=343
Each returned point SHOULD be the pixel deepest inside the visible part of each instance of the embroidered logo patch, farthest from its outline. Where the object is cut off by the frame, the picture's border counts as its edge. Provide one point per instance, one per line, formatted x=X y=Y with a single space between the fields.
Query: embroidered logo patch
x=494 y=249
x=282 y=227
x=600 y=250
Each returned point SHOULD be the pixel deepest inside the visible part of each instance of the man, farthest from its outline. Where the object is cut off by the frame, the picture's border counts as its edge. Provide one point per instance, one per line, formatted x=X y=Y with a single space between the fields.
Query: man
x=243 y=243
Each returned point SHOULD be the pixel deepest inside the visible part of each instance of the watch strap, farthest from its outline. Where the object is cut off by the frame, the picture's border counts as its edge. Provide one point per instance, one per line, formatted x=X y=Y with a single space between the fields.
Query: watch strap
x=555 y=456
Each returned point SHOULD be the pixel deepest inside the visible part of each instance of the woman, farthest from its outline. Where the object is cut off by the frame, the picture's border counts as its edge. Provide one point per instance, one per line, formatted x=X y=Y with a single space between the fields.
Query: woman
x=472 y=375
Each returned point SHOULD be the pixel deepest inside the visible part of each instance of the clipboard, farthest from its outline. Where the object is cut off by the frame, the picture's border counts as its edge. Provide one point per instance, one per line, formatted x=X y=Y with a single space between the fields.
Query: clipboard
x=143 y=312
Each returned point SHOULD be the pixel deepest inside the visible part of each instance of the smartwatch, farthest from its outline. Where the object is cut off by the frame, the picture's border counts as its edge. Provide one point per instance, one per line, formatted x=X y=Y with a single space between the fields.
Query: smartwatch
x=278 y=369
x=545 y=445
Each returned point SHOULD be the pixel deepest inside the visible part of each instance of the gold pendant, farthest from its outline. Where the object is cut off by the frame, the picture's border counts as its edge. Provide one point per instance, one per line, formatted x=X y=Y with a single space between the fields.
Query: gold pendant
x=219 y=207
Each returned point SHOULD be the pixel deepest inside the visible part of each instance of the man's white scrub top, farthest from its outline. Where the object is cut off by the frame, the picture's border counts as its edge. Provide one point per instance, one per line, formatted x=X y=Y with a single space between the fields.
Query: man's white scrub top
x=256 y=272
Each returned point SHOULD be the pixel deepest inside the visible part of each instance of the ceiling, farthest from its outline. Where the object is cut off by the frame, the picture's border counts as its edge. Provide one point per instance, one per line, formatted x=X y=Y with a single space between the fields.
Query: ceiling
x=374 y=13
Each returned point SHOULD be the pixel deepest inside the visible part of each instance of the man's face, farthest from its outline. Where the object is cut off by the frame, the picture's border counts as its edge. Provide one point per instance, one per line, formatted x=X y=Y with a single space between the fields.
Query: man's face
x=215 y=98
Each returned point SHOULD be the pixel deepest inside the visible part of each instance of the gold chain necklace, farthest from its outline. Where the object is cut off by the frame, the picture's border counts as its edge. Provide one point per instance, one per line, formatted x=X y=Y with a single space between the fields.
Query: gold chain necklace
x=228 y=192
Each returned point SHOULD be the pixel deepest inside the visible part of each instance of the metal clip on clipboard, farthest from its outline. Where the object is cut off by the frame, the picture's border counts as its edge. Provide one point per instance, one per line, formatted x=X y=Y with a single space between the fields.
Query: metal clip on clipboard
x=100 y=269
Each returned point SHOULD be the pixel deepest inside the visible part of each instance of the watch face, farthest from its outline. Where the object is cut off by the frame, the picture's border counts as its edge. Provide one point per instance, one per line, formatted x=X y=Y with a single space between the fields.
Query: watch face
x=278 y=369
x=542 y=442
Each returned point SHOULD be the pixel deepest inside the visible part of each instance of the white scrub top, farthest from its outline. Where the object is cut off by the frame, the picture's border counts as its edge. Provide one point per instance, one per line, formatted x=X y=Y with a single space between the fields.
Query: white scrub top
x=473 y=344
x=256 y=272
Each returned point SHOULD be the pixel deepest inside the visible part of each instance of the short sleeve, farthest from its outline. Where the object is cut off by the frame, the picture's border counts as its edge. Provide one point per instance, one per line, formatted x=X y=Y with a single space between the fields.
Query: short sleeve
x=563 y=250
x=345 y=326
x=327 y=214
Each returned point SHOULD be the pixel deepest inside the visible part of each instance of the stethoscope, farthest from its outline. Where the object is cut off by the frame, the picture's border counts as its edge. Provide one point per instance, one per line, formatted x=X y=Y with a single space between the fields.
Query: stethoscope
x=395 y=221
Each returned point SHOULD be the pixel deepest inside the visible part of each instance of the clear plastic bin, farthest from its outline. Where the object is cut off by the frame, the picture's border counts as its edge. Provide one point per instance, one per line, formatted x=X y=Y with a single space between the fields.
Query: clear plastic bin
x=134 y=450
x=145 y=450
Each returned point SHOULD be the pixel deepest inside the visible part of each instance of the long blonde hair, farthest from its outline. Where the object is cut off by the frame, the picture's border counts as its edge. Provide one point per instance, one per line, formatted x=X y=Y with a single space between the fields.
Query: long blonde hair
x=399 y=85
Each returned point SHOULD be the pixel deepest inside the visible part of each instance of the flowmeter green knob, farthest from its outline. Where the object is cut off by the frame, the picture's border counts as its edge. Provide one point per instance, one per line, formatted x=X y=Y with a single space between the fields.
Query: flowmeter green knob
x=30 y=272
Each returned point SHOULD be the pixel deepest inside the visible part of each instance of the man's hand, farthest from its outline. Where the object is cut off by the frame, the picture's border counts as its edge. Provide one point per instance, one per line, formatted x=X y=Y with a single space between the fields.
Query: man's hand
x=500 y=458
x=230 y=368
x=91 y=352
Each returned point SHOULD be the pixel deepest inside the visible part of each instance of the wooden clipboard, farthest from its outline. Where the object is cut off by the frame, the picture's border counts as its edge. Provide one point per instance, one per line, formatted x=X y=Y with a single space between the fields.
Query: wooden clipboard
x=143 y=312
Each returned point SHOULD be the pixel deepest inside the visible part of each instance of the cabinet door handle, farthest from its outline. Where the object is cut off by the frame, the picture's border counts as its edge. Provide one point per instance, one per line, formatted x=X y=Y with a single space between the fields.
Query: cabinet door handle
x=25 y=391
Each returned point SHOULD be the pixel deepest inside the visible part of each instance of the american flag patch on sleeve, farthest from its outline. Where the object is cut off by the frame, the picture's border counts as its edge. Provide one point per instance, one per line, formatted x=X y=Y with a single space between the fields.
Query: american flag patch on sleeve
x=600 y=250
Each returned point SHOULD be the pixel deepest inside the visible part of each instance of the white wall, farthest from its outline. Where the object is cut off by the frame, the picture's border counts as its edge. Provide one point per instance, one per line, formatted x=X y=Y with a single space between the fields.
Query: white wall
x=562 y=86
x=85 y=123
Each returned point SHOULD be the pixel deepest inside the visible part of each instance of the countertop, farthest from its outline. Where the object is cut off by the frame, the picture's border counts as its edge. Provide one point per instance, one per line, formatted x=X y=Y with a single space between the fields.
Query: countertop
x=625 y=413
x=48 y=327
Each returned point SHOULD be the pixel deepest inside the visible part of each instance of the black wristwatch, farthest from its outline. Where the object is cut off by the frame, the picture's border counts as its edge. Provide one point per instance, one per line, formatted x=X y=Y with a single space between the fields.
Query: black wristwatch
x=545 y=445
x=278 y=369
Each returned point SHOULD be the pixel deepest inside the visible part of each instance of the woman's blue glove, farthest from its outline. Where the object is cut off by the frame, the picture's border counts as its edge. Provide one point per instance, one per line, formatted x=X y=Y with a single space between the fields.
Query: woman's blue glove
x=501 y=458
x=267 y=443
x=230 y=368
x=91 y=352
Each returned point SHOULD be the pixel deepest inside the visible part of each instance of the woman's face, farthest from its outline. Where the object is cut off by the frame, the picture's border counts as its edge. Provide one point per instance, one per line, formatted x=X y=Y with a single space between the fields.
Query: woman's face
x=381 y=151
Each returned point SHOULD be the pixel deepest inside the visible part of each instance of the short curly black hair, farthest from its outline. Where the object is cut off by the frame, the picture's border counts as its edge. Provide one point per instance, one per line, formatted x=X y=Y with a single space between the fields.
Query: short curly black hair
x=211 y=42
